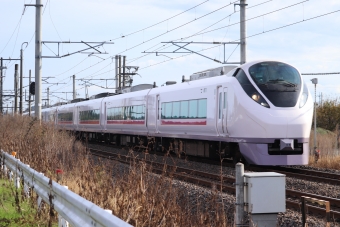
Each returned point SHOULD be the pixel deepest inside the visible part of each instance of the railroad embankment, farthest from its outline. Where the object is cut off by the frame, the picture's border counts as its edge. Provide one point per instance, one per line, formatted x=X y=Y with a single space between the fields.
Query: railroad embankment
x=132 y=194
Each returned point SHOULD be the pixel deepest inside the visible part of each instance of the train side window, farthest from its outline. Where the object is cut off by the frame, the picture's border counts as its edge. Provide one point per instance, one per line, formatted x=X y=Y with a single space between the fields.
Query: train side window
x=184 y=109
x=133 y=112
x=163 y=111
x=193 y=109
x=138 y=112
x=175 y=110
x=220 y=106
x=143 y=115
x=225 y=100
x=109 y=114
x=168 y=110
x=202 y=108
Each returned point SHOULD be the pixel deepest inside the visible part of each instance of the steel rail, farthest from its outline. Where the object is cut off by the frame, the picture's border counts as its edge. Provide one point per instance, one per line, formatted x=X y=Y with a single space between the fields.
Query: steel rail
x=220 y=182
x=311 y=175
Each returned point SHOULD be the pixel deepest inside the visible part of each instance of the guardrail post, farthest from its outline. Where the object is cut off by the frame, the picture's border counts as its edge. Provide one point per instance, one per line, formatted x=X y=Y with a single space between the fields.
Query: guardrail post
x=239 y=182
x=17 y=182
x=5 y=170
x=26 y=186
x=39 y=200
x=10 y=175
x=61 y=221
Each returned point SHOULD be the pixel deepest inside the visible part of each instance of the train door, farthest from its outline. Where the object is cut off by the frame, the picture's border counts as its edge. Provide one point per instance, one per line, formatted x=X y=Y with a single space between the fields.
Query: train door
x=158 y=112
x=222 y=111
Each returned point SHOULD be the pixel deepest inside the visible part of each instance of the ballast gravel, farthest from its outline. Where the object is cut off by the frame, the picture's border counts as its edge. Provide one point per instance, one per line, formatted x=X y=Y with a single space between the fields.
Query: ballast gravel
x=197 y=194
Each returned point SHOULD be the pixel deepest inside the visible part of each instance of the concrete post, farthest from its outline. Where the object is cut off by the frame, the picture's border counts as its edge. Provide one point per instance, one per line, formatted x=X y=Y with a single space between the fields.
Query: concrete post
x=21 y=76
x=38 y=62
x=124 y=59
x=243 y=33
x=74 y=87
x=48 y=97
x=116 y=78
x=29 y=96
x=239 y=180
x=16 y=82
x=120 y=74
x=1 y=83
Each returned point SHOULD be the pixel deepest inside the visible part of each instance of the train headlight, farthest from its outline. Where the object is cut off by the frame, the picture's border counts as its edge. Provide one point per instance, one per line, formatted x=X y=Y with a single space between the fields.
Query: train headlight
x=304 y=96
x=256 y=97
x=249 y=88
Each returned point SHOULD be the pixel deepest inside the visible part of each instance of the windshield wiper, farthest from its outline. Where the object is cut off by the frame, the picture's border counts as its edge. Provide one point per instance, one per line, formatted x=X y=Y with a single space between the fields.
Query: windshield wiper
x=284 y=82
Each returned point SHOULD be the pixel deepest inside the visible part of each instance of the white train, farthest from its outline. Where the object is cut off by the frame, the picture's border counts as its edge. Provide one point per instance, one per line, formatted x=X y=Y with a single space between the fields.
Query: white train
x=260 y=112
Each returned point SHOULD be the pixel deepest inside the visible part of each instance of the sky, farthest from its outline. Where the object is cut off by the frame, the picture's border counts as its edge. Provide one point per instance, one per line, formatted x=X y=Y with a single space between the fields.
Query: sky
x=304 y=34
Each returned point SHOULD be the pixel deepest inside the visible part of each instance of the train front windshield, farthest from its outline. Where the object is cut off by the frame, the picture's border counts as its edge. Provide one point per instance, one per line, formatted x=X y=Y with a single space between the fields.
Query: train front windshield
x=279 y=82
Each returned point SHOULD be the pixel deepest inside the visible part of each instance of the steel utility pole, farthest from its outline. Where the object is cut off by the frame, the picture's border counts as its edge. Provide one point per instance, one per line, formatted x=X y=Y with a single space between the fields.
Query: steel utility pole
x=48 y=97
x=1 y=76
x=21 y=75
x=124 y=60
x=29 y=96
x=116 y=78
x=315 y=82
x=243 y=49
x=74 y=87
x=38 y=92
x=1 y=79
x=16 y=81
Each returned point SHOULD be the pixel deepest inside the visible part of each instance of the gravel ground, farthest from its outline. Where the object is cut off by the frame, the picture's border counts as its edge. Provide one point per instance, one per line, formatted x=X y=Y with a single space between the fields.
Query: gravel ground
x=289 y=218
x=335 y=171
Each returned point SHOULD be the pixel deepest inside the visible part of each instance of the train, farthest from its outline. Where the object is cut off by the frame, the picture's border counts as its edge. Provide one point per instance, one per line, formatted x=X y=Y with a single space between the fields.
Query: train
x=259 y=112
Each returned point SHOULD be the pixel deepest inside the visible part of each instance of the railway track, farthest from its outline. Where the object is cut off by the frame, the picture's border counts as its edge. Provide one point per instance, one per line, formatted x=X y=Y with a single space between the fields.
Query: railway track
x=223 y=183
x=312 y=175
x=304 y=174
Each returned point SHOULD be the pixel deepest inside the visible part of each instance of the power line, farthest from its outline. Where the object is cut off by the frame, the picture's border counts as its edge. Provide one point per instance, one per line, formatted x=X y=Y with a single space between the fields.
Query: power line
x=249 y=19
x=163 y=33
x=12 y=35
x=197 y=32
x=284 y=26
x=132 y=33
x=177 y=27
x=182 y=38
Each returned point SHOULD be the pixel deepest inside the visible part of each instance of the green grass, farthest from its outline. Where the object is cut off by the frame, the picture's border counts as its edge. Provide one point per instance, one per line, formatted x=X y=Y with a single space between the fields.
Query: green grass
x=323 y=131
x=9 y=212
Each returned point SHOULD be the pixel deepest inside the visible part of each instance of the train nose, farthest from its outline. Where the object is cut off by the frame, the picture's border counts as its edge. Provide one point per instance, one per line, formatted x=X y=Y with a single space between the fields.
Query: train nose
x=286 y=144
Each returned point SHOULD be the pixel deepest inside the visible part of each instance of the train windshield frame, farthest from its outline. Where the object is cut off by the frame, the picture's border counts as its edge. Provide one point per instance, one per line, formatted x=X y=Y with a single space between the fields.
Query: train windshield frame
x=279 y=82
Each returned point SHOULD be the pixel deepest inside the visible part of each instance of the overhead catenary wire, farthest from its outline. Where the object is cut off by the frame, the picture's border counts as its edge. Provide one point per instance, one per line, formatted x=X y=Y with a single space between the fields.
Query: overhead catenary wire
x=180 y=26
x=199 y=32
x=274 y=11
x=12 y=34
x=247 y=37
x=140 y=30
x=182 y=55
x=162 y=33
x=274 y=29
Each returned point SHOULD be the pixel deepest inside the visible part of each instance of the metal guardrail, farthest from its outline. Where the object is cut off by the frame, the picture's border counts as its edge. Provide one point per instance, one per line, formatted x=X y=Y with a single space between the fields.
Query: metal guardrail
x=72 y=207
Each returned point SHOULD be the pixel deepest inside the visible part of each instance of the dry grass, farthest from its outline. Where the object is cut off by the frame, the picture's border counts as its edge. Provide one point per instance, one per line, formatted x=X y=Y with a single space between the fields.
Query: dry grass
x=327 y=144
x=132 y=194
